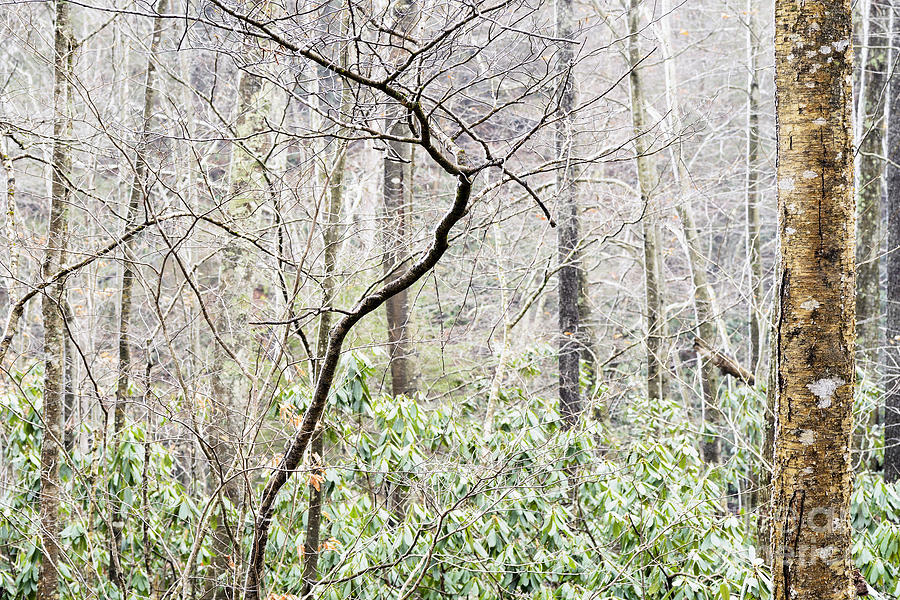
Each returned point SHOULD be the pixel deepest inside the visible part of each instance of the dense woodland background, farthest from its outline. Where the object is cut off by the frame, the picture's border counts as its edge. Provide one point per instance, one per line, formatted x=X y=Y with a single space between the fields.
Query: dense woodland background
x=416 y=299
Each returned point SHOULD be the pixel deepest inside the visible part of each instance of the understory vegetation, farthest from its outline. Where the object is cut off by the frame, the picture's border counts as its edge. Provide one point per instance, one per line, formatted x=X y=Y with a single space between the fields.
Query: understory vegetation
x=424 y=501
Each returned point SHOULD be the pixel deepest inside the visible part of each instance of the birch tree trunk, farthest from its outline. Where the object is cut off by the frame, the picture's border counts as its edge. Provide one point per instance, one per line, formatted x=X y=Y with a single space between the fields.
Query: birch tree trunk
x=647 y=182
x=569 y=293
x=870 y=170
x=396 y=216
x=136 y=197
x=815 y=336
x=892 y=348
x=51 y=303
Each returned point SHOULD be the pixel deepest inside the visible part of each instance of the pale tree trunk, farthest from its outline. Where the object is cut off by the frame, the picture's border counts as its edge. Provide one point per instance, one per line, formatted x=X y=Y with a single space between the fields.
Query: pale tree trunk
x=231 y=381
x=892 y=348
x=711 y=446
x=753 y=171
x=396 y=193
x=116 y=573
x=815 y=335
x=10 y=221
x=569 y=293
x=870 y=169
x=51 y=303
x=648 y=180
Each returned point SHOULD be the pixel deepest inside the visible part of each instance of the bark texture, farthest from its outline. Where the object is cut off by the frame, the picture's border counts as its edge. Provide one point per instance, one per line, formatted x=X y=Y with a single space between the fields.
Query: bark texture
x=815 y=333
x=648 y=180
x=892 y=347
x=51 y=311
x=569 y=295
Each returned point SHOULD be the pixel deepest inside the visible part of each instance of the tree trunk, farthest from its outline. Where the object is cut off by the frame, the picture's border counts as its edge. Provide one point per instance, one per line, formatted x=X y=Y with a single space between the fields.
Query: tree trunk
x=869 y=182
x=396 y=192
x=711 y=446
x=647 y=181
x=815 y=336
x=892 y=348
x=331 y=235
x=753 y=170
x=232 y=385
x=569 y=293
x=51 y=302
x=136 y=197
x=10 y=230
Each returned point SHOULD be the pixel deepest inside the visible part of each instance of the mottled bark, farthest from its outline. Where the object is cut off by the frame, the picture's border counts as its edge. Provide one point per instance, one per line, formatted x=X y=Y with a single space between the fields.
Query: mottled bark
x=870 y=170
x=569 y=292
x=51 y=302
x=815 y=332
x=892 y=347
x=397 y=192
x=647 y=181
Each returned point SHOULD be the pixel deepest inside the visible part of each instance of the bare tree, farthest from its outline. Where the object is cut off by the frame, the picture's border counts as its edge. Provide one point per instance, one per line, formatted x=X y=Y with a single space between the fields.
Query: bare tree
x=51 y=308
x=648 y=180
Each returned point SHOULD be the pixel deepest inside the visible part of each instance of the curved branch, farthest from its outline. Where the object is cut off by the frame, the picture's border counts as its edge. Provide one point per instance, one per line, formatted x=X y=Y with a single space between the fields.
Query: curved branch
x=294 y=453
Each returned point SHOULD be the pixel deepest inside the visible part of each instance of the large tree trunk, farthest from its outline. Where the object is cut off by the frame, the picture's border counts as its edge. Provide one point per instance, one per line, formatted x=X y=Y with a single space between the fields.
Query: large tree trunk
x=396 y=194
x=815 y=336
x=569 y=295
x=136 y=197
x=51 y=303
x=892 y=348
x=870 y=169
x=647 y=181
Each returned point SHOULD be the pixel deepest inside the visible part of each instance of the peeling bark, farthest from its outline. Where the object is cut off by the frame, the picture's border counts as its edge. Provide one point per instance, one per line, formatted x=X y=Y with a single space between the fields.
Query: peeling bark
x=815 y=333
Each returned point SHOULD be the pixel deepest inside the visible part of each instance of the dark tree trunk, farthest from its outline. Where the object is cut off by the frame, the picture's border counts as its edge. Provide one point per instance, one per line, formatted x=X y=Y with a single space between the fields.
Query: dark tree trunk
x=395 y=223
x=570 y=336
